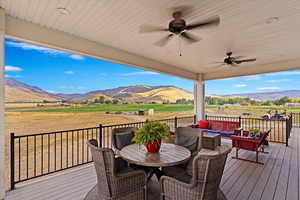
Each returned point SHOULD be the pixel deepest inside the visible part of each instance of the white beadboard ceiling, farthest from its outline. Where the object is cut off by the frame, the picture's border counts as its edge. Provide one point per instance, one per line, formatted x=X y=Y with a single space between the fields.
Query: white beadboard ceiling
x=243 y=30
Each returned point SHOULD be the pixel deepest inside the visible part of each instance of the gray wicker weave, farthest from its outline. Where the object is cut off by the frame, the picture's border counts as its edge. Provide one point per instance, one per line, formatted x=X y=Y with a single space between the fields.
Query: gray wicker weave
x=118 y=139
x=190 y=138
x=208 y=167
x=115 y=180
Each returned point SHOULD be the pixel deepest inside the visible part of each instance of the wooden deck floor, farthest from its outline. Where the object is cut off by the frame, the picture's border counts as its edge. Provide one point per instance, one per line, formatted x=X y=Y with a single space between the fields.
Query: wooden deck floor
x=278 y=179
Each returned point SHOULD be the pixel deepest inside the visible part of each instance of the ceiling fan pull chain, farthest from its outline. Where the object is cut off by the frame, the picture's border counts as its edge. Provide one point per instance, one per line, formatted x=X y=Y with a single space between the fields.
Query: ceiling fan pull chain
x=179 y=46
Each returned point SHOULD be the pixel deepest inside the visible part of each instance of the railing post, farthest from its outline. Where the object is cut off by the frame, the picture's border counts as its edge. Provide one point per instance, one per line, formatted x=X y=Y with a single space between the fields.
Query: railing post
x=12 y=161
x=175 y=122
x=100 y=135
x=195 y=119
x=287 y=132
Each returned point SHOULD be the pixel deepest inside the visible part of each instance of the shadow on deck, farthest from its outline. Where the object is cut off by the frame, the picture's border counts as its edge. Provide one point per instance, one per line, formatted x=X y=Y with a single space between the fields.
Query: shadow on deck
x=278 y=179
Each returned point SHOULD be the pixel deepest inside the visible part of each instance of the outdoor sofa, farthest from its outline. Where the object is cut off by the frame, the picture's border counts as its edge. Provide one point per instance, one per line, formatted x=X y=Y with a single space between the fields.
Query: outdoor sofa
x=224 y=128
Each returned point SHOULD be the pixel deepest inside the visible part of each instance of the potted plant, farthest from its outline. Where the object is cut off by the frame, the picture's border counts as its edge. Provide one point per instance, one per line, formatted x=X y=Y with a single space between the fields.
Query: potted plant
x=254 y=132
x=151 y=135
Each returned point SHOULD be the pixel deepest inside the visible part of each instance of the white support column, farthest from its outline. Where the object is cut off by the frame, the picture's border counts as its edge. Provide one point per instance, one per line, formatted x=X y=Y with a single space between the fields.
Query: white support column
x=199 y=98
x=2 y=128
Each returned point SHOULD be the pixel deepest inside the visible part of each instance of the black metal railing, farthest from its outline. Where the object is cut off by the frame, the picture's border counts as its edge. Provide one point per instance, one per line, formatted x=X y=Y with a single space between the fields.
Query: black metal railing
x=280 y=129
x=296 y=119
x=41 y=154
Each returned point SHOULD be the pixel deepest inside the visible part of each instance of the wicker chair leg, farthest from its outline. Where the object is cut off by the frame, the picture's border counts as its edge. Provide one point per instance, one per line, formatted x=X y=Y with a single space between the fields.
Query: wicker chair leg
x=145 y=191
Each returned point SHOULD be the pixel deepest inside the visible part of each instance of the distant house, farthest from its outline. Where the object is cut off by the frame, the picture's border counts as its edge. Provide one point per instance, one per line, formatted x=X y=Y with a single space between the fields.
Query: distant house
x=292 y=104
x=245 y=104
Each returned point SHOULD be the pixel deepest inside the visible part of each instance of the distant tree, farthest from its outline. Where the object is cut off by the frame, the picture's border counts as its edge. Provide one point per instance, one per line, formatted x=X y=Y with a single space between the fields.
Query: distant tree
x=115 y=101
x=166 y=102
x=107 y=101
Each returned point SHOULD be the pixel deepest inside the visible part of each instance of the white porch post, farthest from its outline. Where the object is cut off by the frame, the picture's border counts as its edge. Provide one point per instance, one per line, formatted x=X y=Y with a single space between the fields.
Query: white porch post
x=199 y=98
x=2 y=129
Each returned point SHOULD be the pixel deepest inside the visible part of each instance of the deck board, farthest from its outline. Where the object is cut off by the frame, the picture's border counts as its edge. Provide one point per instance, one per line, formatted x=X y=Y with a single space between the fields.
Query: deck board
x=278 y=179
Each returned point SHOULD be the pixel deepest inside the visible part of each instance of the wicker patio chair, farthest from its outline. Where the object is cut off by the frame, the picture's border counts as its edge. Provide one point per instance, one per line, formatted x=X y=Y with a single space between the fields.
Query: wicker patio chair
x=208 y=167
x=115 y=180
x=122 y=137
x=189 y=138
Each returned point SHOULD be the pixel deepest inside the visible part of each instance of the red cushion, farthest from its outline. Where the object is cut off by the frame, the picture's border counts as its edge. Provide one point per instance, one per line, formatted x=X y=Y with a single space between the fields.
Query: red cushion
x=203 y=124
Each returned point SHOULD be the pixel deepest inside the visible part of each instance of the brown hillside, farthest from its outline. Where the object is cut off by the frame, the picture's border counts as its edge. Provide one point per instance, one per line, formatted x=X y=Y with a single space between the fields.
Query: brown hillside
x=18 y=95
x=170 y=94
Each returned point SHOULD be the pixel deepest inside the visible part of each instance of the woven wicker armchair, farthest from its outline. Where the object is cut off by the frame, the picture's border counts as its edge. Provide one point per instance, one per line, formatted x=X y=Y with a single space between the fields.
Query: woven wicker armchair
x=208 y=167
x=115 y=180
x=122 y=137
x=191 y=139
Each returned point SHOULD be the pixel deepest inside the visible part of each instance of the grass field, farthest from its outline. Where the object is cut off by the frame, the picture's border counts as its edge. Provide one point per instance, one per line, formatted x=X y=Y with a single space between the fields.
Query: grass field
x=118 y=107
x=31 y=120
x=227 y=110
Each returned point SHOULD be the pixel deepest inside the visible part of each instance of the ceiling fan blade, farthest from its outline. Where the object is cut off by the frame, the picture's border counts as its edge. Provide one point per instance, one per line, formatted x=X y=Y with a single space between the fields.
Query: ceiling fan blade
x=190 y=38
x=184 y=10
x=216 y=62
x=245 y=60
x=238 y=57
x=163 y=41
x=151 y=29
x=208 y=23
x=234 y=64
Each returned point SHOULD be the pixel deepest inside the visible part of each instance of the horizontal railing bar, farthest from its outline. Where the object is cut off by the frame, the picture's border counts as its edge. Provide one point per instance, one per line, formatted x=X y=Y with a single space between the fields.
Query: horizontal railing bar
x=55 y=132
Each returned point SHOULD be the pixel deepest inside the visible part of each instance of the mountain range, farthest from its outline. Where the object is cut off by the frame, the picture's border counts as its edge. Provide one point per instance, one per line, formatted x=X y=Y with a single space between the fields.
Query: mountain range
x=269 y=95
x=16 y=91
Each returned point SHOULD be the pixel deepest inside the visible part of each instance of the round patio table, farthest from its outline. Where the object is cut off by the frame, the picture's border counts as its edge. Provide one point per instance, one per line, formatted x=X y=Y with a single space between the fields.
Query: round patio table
x=168 y=155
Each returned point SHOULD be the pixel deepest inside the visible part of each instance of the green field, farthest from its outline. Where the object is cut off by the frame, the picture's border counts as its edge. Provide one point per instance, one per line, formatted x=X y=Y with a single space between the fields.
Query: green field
x=226 y=110
x=119 y=107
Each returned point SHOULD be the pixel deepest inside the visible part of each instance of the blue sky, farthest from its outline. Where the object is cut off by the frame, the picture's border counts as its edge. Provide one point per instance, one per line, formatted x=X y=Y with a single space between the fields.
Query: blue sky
x=60 y=72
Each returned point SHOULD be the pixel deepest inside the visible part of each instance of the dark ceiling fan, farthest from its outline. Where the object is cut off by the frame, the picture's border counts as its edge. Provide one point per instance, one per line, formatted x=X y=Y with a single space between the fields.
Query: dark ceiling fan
x=179 y=27
x=235 y=61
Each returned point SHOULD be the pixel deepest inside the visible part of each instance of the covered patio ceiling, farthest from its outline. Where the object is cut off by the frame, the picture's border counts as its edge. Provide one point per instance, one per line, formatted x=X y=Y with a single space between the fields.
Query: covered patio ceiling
x=109 y=30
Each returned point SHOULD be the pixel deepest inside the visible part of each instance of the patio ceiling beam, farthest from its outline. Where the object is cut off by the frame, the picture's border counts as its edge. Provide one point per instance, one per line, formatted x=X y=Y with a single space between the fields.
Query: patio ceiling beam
x=252 y=70
x=32 y=33
x=2 y=128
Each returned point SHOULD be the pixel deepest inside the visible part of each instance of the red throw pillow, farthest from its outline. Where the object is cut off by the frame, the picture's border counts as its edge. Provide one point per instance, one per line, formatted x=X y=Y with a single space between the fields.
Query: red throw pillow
x=203 y=124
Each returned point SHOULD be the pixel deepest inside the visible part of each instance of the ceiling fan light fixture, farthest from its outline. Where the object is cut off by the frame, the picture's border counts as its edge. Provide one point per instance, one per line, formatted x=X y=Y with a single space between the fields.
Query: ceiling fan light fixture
x=272 y=20
x=63 y=11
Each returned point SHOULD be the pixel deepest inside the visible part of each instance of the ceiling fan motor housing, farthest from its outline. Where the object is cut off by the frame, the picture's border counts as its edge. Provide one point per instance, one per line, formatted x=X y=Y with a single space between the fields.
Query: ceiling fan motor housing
x=177 y=26
x=228 y=61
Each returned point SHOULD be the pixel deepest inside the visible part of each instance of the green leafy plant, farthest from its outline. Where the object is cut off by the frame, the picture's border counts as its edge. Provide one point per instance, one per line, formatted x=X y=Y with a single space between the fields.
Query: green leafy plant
x=254 y=129
x=150 y=132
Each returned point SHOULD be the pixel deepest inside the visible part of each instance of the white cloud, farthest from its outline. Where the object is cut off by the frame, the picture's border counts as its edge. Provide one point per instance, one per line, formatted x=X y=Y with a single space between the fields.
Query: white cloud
x=69 y=72
x=76 y=57
x=45 y=50
x=140 y=73
x=284 y=73
x=12 y=76
x=277 y=81
x=13 y=68
x=240 y=85
x=41 y=49
x=252 y=78
x=268 y=88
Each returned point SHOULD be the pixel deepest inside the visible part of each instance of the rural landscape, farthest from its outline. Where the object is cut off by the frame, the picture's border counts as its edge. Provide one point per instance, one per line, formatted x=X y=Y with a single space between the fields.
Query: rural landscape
x=29 y=109
x=75 y=117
